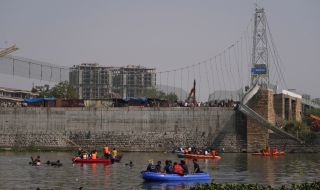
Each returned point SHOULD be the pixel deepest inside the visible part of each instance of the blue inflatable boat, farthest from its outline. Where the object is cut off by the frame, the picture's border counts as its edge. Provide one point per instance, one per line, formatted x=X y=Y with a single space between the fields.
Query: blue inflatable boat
x=152 y=176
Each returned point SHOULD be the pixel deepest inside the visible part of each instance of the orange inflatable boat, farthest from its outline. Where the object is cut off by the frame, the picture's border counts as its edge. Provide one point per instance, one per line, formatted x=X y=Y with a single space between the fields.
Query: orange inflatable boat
x=280 y=153
x=201 y=156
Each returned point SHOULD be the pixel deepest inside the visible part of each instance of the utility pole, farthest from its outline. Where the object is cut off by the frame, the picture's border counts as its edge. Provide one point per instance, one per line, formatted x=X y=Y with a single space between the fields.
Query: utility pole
x=259 y=70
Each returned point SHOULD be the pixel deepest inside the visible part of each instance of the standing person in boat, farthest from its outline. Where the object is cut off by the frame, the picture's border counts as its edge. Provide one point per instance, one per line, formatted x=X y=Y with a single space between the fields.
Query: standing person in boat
x=158 y=166
x=151 y=167
x=184 y=167
x=114 y=153
x=196 y=167
x=166 y=166
x=106 y=152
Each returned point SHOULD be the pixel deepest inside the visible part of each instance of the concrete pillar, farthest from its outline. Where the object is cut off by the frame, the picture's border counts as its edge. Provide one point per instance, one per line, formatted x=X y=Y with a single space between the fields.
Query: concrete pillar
x=257 y=136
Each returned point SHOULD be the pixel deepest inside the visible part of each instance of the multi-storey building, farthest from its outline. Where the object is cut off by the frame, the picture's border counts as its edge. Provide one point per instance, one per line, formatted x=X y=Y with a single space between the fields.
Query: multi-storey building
x=133 y=81
x=10 y=96
x=92 y=81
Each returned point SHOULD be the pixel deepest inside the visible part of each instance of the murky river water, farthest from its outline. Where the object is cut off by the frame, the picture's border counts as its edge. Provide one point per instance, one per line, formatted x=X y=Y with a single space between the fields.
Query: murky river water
x=16 y=173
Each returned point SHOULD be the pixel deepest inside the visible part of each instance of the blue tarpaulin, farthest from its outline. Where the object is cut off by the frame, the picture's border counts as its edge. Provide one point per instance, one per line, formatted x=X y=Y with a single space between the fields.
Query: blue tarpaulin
x=35 y=100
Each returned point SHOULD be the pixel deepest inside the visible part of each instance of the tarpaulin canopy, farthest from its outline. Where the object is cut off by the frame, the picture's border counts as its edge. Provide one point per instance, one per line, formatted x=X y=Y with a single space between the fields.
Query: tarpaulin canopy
x=35 y=100
x=141 y=100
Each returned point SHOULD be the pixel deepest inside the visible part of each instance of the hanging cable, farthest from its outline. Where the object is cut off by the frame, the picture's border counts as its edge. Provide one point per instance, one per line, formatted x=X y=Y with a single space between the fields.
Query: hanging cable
x=199 y=84
x=224 y=84
x=218 y=77
x=181 y=84
x=167 y=83
x=206 y=71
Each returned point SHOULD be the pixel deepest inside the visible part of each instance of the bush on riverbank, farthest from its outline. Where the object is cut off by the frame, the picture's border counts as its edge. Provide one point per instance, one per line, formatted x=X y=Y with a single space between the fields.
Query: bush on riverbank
x=215 y=186
x=301 y=130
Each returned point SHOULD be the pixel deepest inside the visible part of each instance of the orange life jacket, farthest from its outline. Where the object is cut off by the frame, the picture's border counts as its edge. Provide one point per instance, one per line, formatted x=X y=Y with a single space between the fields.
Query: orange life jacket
x=106 y=150
x=178 y=169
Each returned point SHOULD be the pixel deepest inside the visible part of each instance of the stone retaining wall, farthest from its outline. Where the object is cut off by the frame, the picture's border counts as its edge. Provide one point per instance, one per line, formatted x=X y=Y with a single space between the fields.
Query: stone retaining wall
x=128 y=129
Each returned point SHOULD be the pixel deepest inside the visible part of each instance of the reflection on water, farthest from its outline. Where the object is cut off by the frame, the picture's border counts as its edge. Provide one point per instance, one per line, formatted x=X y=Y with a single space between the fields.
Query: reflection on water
x=16 y=173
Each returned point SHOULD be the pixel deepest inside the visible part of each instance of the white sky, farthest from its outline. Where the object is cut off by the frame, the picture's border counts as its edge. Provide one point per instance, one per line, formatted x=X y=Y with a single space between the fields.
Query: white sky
x=165 y=34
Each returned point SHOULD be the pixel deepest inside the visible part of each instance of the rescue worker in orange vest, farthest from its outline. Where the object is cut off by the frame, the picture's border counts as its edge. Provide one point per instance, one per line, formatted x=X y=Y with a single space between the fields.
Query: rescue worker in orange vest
x=94 y=155
x=106 y=152
x=275 y=150
x=177 y=168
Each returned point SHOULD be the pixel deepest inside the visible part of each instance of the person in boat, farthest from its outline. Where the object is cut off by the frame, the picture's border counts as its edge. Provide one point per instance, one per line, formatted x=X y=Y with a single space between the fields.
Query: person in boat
x=275 y=150
x=196 y=167
x=106 y=152
x=80 y=151
x=151 y=167
x=177 y=168
x=184 y=167
x=94 y=155
x=158 y=167
x=213 y=152
x=168 y=168
x=114 y=153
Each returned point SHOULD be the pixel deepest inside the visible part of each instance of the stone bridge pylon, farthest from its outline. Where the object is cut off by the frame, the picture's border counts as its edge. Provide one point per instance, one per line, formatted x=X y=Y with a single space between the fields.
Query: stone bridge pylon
x=266 y=113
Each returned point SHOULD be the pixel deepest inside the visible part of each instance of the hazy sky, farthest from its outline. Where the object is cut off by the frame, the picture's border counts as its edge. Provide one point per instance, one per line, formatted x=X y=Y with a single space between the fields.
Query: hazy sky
x=165 y=34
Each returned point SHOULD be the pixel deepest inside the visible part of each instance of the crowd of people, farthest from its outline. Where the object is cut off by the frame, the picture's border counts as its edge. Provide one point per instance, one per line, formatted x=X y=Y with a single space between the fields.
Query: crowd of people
x=13 y=104
x=199 y=151
x=94 y=154
x=173 y=168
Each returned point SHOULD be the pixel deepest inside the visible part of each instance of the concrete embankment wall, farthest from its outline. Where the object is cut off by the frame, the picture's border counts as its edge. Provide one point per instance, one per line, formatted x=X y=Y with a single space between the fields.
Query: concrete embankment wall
x=129 y=129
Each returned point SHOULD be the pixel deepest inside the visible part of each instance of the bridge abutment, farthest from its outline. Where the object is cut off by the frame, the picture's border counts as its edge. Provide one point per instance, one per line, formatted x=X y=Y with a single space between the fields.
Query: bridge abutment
x=257 y=135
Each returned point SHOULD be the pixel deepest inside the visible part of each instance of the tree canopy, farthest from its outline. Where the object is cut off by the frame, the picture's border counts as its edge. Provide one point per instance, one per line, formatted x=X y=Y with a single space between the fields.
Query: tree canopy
x=158 y=94
x=62 y=90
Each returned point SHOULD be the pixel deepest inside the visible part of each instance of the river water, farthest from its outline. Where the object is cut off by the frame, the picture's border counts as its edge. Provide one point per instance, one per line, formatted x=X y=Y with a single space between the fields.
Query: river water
x=16 y=173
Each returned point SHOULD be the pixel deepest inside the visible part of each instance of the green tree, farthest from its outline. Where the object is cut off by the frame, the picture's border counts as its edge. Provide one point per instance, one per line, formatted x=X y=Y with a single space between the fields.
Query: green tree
x=62 y=90
x=301 y=130
x=158 y=94
x=172 y=97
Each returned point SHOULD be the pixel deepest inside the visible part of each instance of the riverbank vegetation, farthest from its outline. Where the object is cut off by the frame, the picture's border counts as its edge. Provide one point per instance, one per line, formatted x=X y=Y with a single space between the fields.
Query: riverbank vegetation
x=215 y=186
x=307 y=129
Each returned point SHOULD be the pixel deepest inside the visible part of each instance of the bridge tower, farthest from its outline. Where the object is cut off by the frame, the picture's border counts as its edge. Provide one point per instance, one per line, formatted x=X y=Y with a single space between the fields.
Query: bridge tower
x=259 y=70
x=262 y=102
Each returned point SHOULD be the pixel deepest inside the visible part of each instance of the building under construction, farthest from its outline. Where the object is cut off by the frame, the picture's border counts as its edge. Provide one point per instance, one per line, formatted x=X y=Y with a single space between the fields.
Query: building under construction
x=92 y=81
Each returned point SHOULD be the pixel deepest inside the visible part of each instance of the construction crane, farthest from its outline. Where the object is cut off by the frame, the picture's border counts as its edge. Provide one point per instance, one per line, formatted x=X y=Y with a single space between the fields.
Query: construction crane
x=8 y=50
x=192 y=95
